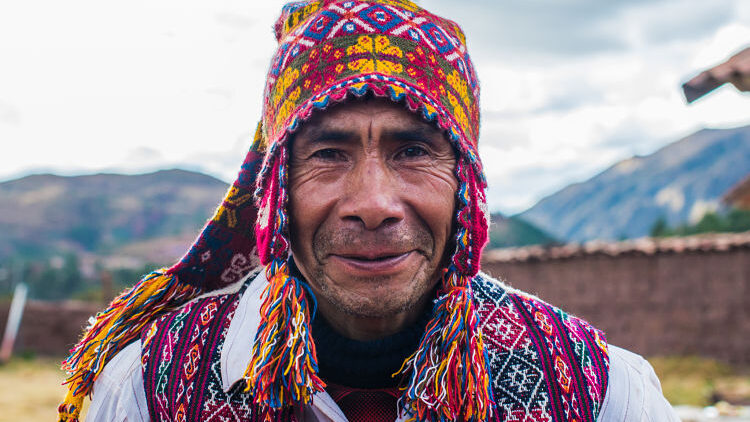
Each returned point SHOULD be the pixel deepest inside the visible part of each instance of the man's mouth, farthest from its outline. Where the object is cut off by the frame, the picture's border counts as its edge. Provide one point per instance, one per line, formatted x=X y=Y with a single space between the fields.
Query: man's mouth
x=372 y=263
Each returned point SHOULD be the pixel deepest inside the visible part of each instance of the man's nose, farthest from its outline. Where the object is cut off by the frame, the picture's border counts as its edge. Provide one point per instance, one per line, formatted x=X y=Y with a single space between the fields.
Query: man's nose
x=372 y=195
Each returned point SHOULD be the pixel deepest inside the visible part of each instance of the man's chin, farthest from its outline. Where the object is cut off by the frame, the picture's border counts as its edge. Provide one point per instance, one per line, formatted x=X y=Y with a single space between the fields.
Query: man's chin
x=377 y=297
x=383 y=310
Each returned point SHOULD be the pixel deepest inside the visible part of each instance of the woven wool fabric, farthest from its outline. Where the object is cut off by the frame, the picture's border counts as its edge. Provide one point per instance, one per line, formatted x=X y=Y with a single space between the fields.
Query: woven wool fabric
x=181 y=361
x=545 y=365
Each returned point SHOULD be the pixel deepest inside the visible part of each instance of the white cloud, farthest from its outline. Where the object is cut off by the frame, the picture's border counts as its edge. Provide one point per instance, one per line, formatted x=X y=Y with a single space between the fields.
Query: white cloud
x=671 y=196
x=94 y=81
x=571 y=118
x=701 y=208
x=568 y=87
x=9 y=115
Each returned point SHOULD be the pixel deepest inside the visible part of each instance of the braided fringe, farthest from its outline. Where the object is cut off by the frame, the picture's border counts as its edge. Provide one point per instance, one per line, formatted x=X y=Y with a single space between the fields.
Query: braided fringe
x=284 y=368
x=447 y=375
x=113 y=329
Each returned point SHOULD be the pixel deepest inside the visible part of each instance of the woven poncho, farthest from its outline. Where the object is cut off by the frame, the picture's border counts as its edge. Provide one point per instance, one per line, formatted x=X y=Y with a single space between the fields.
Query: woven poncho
x=329 y=51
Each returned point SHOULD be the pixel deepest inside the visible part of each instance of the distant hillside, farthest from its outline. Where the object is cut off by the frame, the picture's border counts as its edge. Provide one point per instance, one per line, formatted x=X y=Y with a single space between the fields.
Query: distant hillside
x=679 y=182
x=514 y=231
x=43 y=214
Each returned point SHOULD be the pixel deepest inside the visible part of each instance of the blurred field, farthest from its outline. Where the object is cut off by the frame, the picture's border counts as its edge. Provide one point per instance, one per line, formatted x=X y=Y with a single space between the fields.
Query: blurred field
x=30 y=389
x=701 y=382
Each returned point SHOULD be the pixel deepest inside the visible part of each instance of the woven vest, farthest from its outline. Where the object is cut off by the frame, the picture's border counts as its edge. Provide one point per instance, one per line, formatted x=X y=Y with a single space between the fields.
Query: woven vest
x=181 y=360
x=545 y=365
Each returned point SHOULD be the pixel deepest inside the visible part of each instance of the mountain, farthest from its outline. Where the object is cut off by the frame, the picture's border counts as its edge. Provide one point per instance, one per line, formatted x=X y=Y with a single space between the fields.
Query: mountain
x=513 y=231
x=679 y=182
x=46 y=214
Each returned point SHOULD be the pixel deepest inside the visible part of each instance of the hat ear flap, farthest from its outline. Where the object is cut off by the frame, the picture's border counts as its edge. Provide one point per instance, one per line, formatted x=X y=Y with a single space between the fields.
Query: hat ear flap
x=472 y=219
x=448 y=376
x=283 y=369
x=479 y=221
x=271 y=196
x=265 y=227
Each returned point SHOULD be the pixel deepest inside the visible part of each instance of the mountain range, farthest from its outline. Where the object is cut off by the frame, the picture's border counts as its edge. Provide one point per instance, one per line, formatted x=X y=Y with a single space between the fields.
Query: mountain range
x=679 y=183
x=513 y=231
x=47 y=214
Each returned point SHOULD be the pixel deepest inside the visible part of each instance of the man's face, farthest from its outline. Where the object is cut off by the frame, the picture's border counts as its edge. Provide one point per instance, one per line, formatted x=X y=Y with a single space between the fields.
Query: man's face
x=372 y=201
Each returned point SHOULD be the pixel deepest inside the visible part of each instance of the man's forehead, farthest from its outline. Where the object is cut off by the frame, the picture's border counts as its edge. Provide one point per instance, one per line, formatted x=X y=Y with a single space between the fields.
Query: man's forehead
x=392 y=119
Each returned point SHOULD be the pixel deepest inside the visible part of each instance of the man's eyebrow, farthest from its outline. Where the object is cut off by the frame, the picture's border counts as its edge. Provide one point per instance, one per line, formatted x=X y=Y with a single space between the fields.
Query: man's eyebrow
x=423 y=133
x=328 y=134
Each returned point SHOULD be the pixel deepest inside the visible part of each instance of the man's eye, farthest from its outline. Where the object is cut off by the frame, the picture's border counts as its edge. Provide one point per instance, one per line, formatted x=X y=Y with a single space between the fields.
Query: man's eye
x=328 y=154
x=413 y=152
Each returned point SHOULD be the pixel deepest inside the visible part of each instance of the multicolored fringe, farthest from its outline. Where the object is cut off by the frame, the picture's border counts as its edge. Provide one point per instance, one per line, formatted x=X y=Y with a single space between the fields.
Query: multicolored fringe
x=283 y=370
x=70 y=409
x=448 y=378
x=113 y=329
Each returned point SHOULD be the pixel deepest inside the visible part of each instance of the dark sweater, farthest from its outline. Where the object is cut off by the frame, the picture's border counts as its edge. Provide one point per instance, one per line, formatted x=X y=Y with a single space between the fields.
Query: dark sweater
x=364 y=364
x=358 y=373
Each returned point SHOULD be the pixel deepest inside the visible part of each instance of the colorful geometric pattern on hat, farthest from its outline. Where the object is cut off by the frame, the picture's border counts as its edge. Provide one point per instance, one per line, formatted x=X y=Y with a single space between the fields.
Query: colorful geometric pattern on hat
x=330 y=50
x=327 y=45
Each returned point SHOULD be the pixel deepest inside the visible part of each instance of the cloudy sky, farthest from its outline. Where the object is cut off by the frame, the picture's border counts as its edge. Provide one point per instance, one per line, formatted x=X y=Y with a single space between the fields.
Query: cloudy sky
x=568 y=86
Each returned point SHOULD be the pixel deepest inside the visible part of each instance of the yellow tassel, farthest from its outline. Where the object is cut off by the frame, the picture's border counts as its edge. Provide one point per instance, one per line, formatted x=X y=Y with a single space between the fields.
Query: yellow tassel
x=70 y=409
x=260 y=143
x=116 y=327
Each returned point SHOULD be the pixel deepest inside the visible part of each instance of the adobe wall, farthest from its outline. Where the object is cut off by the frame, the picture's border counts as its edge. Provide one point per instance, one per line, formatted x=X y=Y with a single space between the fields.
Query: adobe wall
x=49 y=328
x=694 y=303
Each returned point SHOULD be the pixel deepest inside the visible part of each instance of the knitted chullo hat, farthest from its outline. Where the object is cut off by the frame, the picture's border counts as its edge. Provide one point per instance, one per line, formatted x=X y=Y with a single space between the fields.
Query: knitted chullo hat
x=329 y=51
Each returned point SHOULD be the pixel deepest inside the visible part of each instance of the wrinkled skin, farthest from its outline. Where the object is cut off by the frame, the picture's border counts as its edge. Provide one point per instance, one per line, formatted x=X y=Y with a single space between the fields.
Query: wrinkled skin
x=372 y=202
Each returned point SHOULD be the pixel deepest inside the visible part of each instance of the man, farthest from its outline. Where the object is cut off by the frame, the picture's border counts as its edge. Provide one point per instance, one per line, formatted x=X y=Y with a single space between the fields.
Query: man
x=368 y=220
